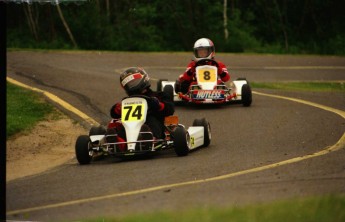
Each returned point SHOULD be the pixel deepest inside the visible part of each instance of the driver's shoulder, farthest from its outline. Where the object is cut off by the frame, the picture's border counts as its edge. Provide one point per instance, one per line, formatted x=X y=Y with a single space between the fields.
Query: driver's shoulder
x=157 y=94
x=192 y=63
x=218 y=61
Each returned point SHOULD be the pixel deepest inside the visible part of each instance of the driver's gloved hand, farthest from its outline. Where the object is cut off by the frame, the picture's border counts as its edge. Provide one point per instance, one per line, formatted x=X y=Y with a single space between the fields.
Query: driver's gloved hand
x=222 y=75
x=115 y=111
x=153 y=103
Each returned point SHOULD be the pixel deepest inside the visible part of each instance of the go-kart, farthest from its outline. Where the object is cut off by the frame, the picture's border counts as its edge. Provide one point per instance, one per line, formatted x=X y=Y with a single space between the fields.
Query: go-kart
x=137 y=138
x=208 y=88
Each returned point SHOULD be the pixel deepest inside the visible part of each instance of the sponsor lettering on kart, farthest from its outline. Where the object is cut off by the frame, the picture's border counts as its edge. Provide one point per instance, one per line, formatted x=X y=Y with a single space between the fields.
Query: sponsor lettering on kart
x=208 y=94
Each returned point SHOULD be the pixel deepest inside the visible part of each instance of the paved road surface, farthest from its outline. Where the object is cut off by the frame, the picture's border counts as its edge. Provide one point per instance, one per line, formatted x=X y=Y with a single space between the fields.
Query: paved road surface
x=272 y=130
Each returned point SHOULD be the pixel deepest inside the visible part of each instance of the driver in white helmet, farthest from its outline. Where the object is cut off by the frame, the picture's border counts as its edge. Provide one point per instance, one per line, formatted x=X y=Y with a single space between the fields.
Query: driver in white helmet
x=203 y=49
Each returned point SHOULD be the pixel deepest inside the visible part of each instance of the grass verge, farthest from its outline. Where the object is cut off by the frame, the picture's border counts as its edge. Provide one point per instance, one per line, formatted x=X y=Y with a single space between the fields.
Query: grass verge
x=315 y=209
x=306 y=86
x=24 y=109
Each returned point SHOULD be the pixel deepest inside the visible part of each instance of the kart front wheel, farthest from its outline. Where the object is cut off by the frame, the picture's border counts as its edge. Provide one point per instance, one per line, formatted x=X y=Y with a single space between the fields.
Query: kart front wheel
x=181 y=141
x=82 y=150
x=207 y=130
x=246 y=92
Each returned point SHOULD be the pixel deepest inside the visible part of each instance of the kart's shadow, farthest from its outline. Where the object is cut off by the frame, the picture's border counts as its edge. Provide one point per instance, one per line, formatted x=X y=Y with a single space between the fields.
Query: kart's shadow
x=111 y=159
x=162 y=154
x=108 y=159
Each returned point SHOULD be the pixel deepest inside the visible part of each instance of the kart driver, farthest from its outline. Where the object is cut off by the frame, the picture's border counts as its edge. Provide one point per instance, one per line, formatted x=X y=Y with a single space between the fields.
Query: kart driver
x=135 y=81
x=203 y=49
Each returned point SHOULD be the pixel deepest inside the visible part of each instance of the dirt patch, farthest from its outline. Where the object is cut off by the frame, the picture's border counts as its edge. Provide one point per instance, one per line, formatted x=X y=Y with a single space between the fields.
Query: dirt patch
x=49 y=144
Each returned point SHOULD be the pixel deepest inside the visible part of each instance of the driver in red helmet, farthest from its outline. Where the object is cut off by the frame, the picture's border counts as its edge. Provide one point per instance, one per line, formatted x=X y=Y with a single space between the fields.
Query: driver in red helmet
x=135 y=81
x=203 y=49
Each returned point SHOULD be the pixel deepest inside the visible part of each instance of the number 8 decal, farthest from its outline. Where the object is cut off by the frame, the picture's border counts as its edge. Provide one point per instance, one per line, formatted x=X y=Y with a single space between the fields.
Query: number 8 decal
x=207 y=75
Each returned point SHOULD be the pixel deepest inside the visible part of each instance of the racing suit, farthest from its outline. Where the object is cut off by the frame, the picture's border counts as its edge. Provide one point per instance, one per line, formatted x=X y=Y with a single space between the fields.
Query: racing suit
x=188 y=76
x=160 y=106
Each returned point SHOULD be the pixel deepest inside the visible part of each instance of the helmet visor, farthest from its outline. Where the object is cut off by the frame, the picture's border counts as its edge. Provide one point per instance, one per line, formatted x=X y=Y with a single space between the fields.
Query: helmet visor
x=202 y=52
x=131 y=81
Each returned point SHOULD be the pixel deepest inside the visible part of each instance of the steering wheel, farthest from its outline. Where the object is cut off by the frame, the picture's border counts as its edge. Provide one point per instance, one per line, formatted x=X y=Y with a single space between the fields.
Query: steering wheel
x=202 y=62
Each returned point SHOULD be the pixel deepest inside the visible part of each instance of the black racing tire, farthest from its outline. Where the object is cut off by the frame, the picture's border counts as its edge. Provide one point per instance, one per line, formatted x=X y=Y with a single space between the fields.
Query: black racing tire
x=177 y=86
x=181 y=141
x=83 y=154
x=159 y=84
x=97 y=130
x=246 y=93
x=207 y=130
x=169 y=90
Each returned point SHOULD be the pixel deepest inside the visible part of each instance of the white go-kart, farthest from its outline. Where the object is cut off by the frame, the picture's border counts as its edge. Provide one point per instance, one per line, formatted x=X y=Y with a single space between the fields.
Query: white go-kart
x=207 y=88
x=130 y=136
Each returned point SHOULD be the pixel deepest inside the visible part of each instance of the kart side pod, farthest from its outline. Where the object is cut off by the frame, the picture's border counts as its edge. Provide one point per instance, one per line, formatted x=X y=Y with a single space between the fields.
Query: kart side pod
x=96 y=138
x=196 y=134
x=238 y=86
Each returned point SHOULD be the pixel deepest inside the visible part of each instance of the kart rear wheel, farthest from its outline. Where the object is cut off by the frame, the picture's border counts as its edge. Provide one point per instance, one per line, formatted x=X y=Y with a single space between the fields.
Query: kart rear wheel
x=207 y=130
x=82 y=149
x=169 y=90
x=159 y=84
x=181 y=141
x=246 y=92
x=97 y=130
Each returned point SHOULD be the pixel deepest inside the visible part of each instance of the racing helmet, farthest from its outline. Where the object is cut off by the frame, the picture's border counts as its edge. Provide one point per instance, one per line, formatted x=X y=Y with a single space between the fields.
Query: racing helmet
x=206 y=44
x=134 y=80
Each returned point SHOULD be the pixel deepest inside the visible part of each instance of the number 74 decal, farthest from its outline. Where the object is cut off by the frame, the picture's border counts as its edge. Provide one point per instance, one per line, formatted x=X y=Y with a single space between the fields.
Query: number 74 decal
x=132 y=112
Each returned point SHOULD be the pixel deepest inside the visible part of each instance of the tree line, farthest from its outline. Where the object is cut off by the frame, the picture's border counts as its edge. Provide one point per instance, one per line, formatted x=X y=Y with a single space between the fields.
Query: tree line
x=268 y=26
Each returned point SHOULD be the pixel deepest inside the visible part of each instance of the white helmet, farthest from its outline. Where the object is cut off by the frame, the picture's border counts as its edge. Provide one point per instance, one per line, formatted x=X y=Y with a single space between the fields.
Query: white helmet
x=203 y=43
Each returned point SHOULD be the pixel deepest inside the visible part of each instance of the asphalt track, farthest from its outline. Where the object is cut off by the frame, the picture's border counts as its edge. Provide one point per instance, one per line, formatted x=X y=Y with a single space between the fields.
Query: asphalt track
x=287 y=144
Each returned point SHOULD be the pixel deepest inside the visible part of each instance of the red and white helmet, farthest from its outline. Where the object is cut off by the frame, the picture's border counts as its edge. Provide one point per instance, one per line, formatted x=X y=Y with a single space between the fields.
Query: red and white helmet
x=134 y=80
x=203 y=43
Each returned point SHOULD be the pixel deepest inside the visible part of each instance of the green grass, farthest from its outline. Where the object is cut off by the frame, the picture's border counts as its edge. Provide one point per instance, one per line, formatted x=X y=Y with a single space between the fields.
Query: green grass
x=24 y=109
x=306 y=86
x=316 y=209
